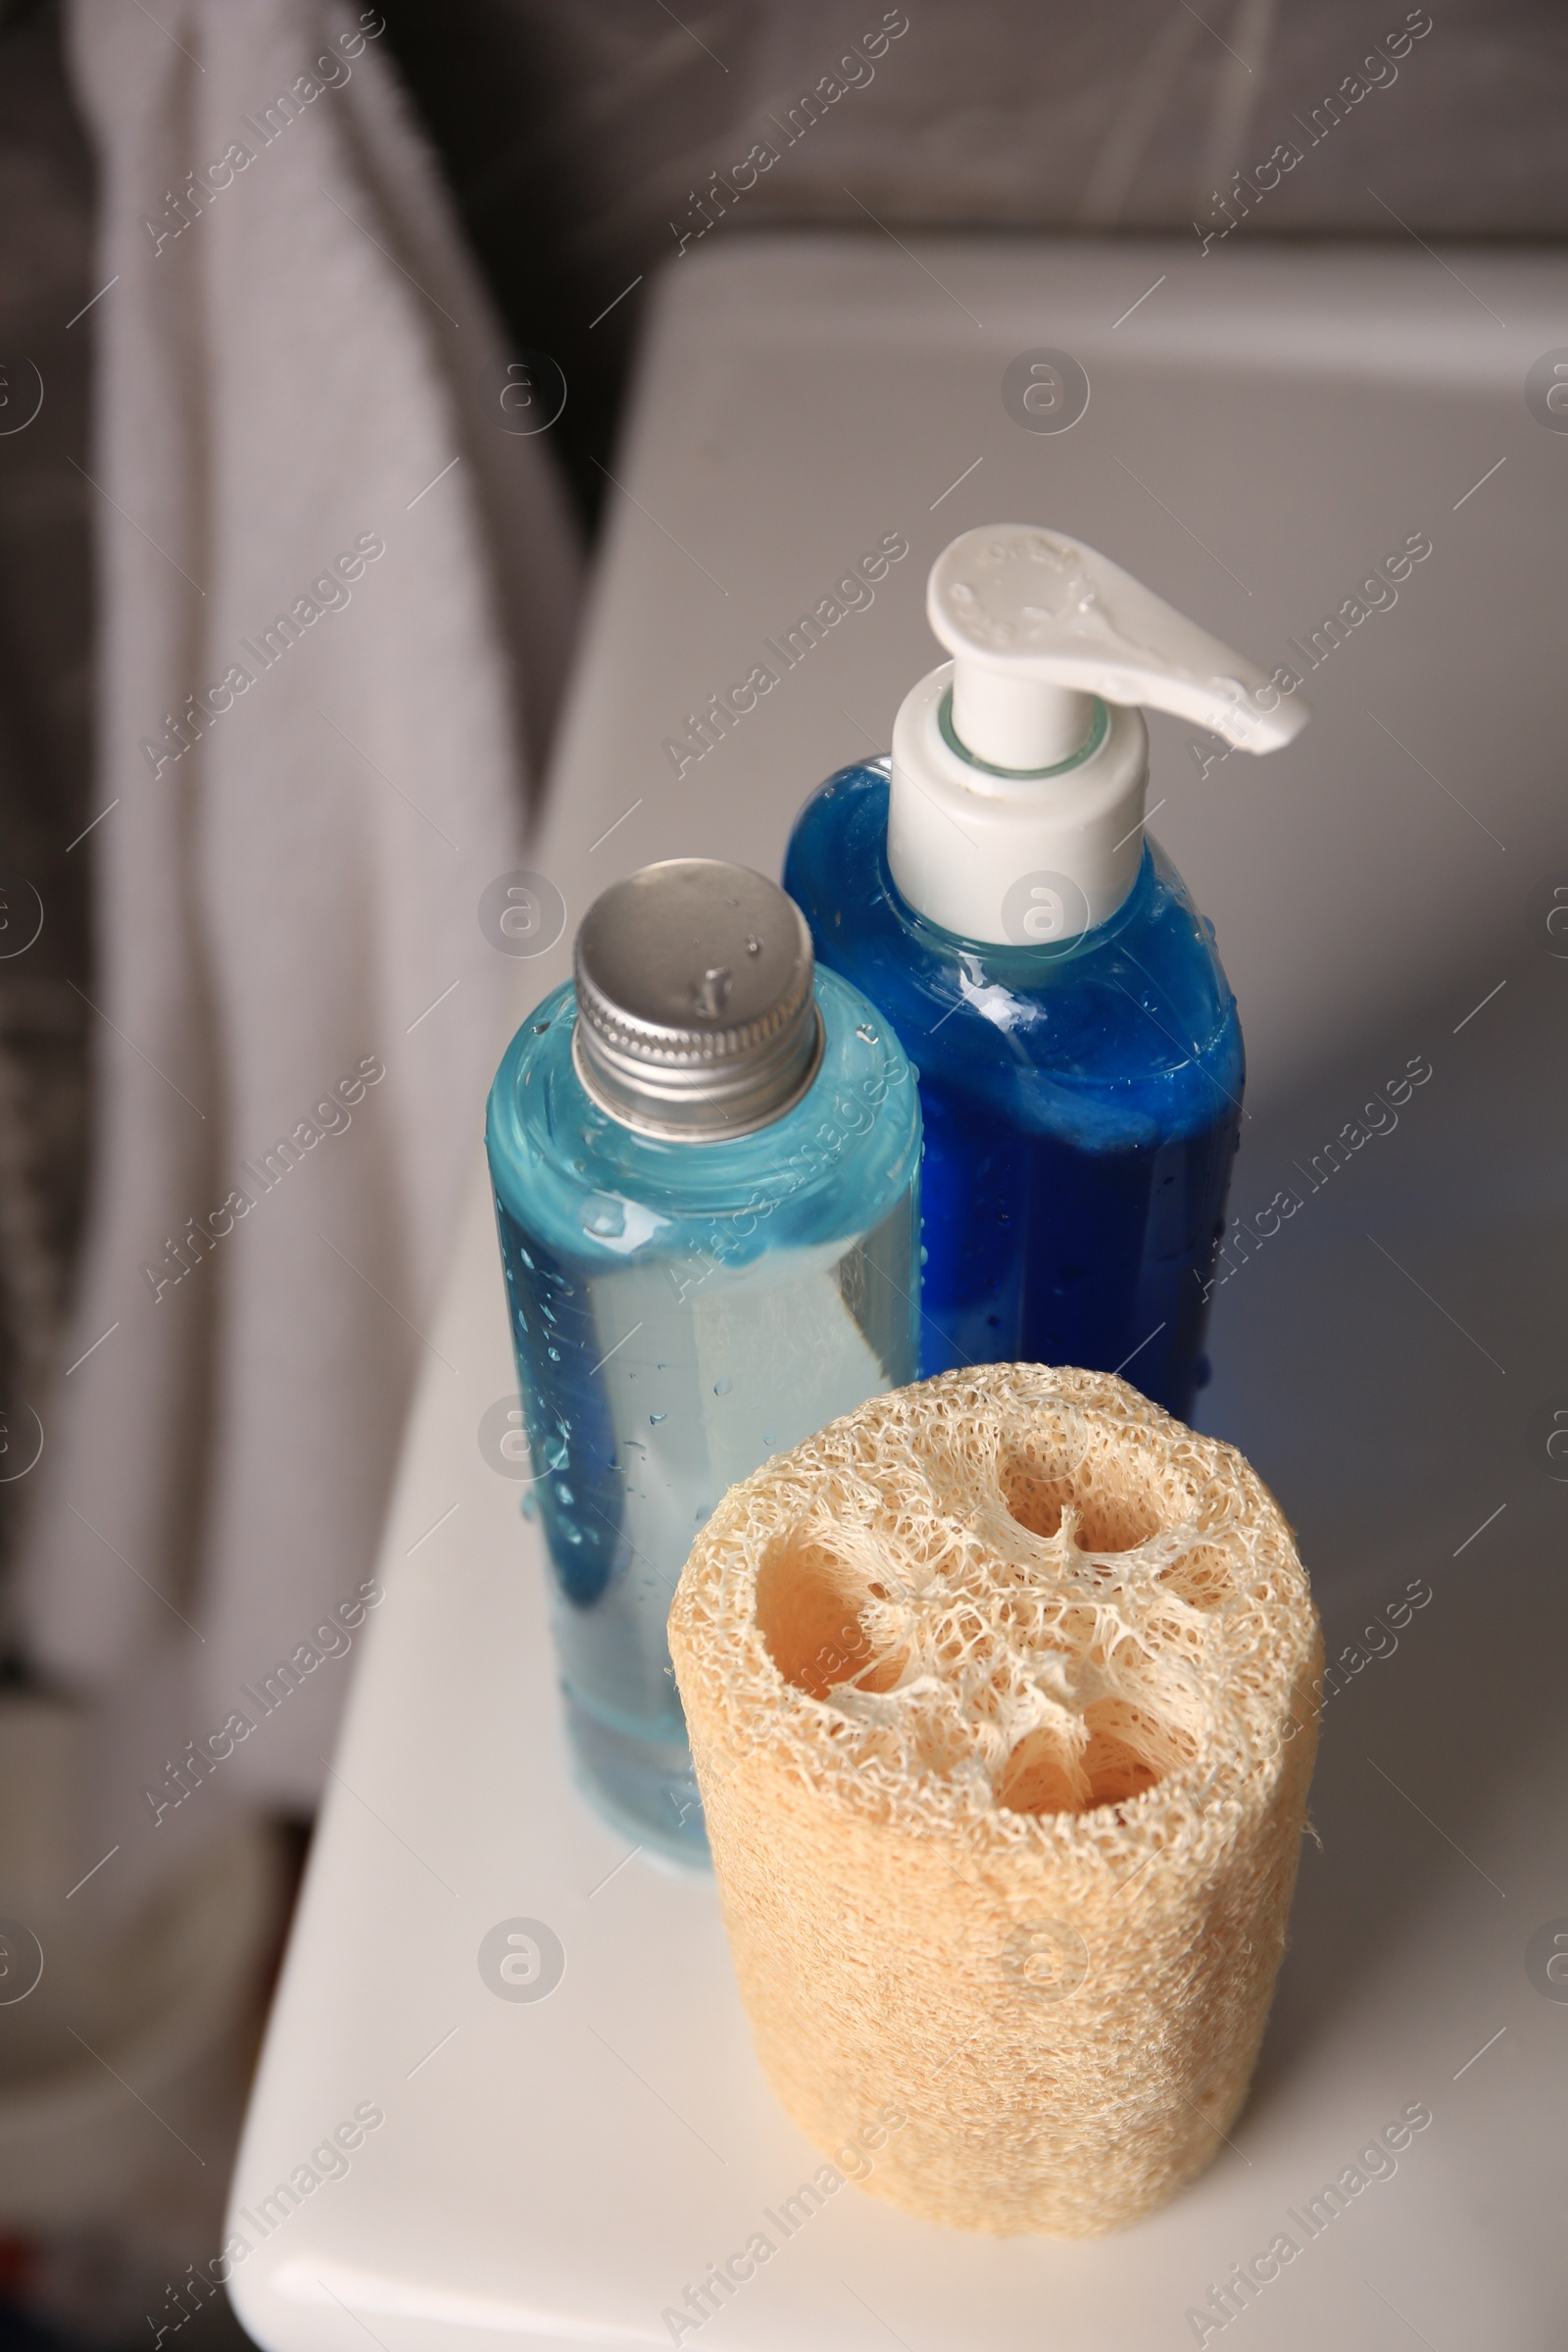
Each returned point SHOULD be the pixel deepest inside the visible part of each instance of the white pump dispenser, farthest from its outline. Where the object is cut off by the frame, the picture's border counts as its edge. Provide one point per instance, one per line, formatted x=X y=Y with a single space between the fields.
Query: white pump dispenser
x=1016 y=803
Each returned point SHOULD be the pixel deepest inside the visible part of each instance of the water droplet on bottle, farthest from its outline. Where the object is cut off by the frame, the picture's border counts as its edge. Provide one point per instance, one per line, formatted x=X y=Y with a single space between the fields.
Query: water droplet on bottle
x=530 y=1505
x=754 y=947
x=867 y=1034
x=723 y=1385
x=553 y=1354
x=654 y=1419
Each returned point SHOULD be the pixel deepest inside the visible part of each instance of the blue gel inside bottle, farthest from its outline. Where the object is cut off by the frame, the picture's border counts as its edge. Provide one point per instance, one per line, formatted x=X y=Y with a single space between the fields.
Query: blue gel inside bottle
x=1080 y=1105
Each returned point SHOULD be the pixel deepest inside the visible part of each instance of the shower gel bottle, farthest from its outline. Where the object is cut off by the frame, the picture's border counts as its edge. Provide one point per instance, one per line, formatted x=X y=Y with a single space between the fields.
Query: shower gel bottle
x=705 y=1160
x=992 y=891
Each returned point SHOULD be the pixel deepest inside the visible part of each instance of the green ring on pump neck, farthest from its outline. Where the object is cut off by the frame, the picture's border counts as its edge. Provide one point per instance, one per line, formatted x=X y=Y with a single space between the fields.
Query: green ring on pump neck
x=1098 y=726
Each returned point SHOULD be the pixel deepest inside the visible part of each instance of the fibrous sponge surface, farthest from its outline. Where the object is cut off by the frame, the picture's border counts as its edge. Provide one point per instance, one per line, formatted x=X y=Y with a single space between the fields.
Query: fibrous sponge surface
x=1001 y=1697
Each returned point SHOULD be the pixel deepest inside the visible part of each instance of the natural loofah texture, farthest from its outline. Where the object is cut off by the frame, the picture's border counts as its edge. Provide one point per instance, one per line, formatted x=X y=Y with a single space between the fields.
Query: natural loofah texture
x=1002 y=1697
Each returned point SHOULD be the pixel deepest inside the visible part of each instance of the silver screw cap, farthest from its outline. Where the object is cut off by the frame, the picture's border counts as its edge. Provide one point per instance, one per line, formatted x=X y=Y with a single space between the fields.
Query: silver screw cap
x=696 y=1016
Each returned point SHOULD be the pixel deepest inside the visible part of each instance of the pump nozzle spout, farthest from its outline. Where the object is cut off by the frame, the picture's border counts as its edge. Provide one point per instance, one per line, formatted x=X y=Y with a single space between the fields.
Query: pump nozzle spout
x=1039 y=624
x=1005 y=776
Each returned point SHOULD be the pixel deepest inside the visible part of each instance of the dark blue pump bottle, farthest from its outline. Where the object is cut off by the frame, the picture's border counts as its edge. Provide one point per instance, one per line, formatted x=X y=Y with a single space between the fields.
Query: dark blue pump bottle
x=992 y=888
x=1081 y=1107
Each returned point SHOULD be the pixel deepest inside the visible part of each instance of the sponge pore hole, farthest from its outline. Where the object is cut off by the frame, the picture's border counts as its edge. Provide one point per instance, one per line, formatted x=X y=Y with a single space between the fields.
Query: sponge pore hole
x=1034 y=1500
x=1119 y=1760
x=1115 y=1522
x=1116 y=1770
x=1130 y=1748
x=1040 y=1778
x=810 y=1614
x=1104 y=1521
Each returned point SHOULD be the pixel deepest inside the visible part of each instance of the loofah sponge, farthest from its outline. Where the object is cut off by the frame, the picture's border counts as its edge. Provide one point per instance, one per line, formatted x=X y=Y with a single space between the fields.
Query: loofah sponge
x=1002 y=1692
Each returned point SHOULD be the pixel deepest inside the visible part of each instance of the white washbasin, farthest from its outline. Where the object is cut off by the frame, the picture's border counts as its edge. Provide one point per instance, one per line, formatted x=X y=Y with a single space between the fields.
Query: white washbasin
x=1262 y=428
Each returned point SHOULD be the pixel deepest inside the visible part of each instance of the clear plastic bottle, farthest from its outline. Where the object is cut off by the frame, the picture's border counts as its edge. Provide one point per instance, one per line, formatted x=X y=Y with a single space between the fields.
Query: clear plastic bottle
x=705 y=1164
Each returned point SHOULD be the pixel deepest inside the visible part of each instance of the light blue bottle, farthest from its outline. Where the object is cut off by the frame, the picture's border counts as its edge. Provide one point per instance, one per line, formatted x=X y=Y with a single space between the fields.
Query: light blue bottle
x=706 y=1163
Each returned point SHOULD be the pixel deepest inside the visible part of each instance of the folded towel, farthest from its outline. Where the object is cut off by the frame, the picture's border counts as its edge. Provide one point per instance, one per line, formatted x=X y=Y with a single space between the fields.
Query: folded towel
x=335 y=590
